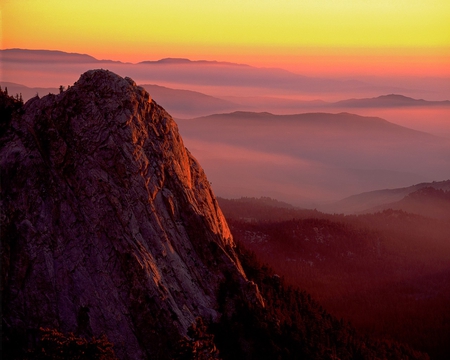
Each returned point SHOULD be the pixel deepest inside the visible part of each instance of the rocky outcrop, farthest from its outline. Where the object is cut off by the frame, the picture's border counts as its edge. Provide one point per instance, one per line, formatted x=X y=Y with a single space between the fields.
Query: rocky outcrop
x=109 y=225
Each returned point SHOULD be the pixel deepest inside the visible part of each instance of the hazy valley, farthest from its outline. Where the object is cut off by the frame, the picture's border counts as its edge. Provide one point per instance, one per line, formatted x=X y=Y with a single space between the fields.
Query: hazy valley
x=111 y=226
x=310 y=158
x=292 y=158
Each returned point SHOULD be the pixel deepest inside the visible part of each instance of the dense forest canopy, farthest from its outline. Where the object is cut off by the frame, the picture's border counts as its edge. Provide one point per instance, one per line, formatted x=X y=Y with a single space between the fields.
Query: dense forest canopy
x=385 y=272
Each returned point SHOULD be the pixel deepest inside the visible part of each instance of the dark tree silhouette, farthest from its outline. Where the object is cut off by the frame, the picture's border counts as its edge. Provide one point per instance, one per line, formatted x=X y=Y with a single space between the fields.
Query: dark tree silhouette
x=200 y=344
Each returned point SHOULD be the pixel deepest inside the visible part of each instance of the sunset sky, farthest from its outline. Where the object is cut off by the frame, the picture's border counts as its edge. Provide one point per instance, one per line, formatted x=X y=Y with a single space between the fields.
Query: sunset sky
x=309 y=36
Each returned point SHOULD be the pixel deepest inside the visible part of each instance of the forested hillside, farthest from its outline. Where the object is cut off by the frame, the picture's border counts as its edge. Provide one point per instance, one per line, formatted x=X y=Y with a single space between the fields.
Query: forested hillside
x=292 y=325
x=388 y=273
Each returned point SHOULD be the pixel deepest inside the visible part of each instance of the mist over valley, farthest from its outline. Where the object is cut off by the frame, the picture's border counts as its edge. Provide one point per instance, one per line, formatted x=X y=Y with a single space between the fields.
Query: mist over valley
x=324 y=153
x=312 y=157
x=329 y=236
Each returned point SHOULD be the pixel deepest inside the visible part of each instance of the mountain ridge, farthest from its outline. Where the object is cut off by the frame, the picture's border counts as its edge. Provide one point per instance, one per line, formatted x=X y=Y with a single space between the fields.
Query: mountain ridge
x=378 y=200
x=227 y=75
x=109 y=224
x=240 y=79
x=317 y=117
x=390 y=100
x=426 y=201
x=184 y=61
x=184 y=103
x=110 y=227
x=308 y=159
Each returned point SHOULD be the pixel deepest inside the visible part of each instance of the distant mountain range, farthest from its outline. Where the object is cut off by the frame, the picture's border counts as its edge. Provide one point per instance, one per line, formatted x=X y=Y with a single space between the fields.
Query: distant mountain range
x=187 y=103
x=49 y=56
x=27 y=92
x=428 y=201
x=180 y=73
x=111 y=231
x=56 y=56
x=307 y=158
x=246 y=149
x=183 y=103
x=425 y=199
x=391 y=100
x=183 y=61
x=340 y=154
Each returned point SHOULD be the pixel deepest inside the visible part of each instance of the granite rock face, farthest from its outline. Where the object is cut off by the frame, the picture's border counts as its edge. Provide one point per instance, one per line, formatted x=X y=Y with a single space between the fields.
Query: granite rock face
x=109 y=225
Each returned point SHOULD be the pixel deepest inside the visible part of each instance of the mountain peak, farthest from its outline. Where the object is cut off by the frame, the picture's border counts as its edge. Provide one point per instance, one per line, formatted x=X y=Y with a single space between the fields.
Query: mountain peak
x=109 y=225
x=101 y=78
x=185 y=61
x=38 y=56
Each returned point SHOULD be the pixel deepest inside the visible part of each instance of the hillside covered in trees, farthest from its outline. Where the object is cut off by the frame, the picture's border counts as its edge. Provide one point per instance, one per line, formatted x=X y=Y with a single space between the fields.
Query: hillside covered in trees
x=387 y=273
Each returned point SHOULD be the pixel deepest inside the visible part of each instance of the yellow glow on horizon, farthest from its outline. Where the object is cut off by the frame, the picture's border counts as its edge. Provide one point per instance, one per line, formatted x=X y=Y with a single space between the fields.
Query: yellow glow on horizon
x=137 y=30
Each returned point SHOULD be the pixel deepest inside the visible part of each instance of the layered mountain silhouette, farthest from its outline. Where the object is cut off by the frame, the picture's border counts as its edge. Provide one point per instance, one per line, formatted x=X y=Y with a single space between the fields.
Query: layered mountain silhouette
x=182 y=103
x=179 y=73
x=391 y=100
x=110 y=227
x=27 y=92
x=319 y=156
x=428 y=199
x=47 y=56
x=187 y=103
x=183 y=61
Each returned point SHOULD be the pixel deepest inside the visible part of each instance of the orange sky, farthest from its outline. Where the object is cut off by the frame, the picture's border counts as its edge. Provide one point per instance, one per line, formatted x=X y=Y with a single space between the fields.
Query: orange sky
x=343 y=37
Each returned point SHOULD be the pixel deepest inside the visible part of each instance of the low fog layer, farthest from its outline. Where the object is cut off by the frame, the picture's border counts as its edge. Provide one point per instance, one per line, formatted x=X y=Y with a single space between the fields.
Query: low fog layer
x=427 y=116
x=311 y=158
x=303 y=159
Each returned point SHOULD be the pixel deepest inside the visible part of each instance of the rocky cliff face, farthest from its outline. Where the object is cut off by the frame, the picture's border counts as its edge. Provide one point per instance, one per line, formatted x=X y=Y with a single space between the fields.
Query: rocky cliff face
x=109 y=225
